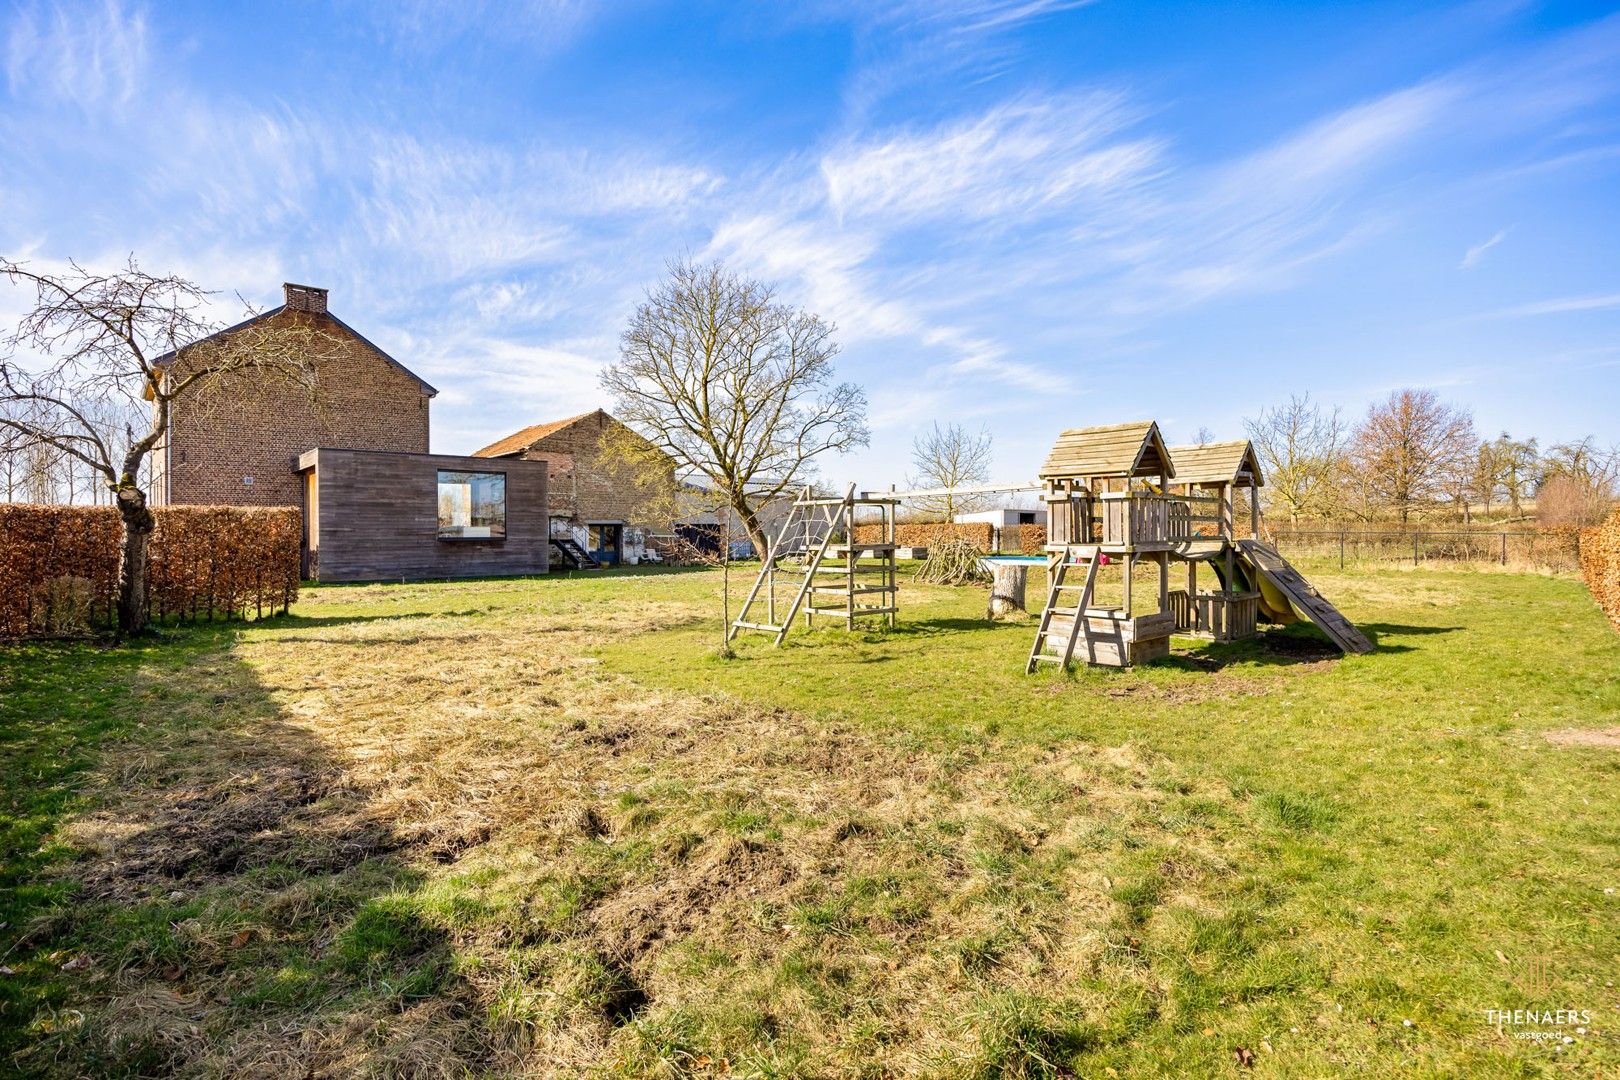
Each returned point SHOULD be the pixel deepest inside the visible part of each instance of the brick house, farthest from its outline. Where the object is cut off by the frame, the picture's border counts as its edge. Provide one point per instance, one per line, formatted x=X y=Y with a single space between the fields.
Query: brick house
x=590 y=493
x=241 y=447
x=351 y=451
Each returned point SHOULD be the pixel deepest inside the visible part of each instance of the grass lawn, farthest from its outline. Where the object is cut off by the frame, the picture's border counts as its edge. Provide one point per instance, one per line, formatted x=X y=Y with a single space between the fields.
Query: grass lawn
x=541 y=827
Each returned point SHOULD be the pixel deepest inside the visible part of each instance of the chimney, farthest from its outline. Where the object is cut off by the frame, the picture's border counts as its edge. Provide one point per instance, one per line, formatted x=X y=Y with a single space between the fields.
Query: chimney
x=305 y=298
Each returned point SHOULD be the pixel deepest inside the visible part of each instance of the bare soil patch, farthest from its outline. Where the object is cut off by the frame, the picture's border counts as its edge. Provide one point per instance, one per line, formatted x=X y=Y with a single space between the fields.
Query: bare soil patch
x=1601 y=738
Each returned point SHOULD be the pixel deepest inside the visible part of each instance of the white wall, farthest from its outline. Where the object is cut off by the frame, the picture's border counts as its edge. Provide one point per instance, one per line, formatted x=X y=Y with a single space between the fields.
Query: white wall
x=1003 y=517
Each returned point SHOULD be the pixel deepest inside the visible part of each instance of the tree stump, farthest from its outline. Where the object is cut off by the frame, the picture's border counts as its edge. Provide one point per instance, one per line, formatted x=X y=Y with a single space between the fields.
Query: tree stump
x=1007 y=590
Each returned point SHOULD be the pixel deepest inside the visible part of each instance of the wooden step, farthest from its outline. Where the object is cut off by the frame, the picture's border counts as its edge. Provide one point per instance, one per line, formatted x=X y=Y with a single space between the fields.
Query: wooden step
x=758 y=626
x=1091 y=613
x=839 y=590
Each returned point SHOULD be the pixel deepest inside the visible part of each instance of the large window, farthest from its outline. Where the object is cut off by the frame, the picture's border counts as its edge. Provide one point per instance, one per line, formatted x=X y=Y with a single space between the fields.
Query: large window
x=472 y=505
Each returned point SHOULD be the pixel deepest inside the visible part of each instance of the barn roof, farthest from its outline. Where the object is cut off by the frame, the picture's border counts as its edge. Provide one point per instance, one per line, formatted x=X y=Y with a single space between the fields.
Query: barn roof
x=1111 y=451
x=1216 y=463
x=519 y=441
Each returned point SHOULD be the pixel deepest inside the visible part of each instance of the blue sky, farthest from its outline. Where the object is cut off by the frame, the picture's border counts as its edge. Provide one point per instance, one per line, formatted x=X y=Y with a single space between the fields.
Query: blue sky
x=1022 y=214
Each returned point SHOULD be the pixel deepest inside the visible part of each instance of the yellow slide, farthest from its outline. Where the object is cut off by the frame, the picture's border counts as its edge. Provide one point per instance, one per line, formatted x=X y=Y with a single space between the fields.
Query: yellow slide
x=1273 y=601
x=1285 y=596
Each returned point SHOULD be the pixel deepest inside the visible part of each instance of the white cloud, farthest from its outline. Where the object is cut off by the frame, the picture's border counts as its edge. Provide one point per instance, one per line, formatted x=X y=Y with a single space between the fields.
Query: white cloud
x=1476 y=254
x=963 y=16
x=827 y=265
x=541 y=26
x=93 y=56
x=509 y=385
x=1015 y=159
x=1566 y=305
x=1253 y=222
x=930 y=234
x=946 y=44
x=970 y=262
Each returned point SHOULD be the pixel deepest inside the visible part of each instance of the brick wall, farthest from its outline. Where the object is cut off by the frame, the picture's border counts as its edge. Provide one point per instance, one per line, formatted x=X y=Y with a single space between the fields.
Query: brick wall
x=258 y=426
x=585 y=486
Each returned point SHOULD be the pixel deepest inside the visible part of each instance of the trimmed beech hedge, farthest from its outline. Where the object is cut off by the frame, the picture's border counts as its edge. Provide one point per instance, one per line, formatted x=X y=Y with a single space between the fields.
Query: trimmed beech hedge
x=1600 y=565
x=59 y=565
x=925 y=534
x=1032 y=539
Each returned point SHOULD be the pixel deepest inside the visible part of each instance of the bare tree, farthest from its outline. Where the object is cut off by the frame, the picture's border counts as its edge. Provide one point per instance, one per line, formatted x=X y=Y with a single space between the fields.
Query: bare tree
x=1410 y=448
x=128 y=340
x=949 y=457
x=734 y=386
x=1203 y=436
x=1578 y=483
x=1518 y=465
x=1300 y=445
x=10 y=454
x=1585 y=461
x=1484 y=480
x=1566 y=499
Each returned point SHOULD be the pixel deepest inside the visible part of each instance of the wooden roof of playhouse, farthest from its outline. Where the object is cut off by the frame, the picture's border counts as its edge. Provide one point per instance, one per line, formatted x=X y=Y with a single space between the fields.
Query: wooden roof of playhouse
x=1218 y=463
x=1109 y=452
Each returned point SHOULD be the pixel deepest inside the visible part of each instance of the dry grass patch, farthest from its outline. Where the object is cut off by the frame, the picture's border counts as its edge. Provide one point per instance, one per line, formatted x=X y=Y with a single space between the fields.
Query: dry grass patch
x=418 y=844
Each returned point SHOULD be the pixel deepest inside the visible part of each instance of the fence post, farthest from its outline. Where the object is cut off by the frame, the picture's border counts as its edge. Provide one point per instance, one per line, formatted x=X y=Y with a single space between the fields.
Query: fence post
x=1341 y=549
x=1414 y=548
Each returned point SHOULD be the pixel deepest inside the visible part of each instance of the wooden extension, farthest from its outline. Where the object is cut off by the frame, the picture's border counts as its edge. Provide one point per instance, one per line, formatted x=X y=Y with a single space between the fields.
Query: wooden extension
x=826 y=573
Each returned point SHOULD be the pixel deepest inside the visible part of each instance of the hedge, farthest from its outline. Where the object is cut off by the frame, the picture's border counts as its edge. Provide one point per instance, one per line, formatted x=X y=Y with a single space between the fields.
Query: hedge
x=1032 y=539
x=1600 y=565
x=922 y=534
x=59 y=565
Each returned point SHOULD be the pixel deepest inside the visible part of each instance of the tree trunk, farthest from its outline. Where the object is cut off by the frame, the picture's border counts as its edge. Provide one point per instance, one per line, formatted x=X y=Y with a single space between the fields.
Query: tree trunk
x=1007 y=591
x=750 y=522
x=132 y=563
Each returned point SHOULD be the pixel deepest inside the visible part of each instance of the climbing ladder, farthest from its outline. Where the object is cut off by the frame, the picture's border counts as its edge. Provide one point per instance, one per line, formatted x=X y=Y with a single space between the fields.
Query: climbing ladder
x=1303 y=595
x=826 y=572
x=1077 y=626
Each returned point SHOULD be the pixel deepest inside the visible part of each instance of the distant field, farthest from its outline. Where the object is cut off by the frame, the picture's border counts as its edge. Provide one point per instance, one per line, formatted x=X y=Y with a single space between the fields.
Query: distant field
x=540 y=826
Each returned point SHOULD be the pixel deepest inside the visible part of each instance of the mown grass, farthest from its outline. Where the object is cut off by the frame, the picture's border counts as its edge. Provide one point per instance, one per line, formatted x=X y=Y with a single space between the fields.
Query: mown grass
x=541 y=826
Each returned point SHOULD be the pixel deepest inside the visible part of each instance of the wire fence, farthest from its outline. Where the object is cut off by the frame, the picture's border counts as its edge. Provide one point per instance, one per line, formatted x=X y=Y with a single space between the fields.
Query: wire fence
x=1551 y=549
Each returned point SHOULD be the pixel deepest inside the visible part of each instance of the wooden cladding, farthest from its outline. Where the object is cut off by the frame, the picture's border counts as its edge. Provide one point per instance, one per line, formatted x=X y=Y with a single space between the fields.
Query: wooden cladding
x=378 y=518
x=1128 y=520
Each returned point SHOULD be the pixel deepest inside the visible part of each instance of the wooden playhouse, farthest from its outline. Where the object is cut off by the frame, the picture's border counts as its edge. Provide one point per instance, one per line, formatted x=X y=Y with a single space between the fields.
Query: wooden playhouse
x=1119 y=499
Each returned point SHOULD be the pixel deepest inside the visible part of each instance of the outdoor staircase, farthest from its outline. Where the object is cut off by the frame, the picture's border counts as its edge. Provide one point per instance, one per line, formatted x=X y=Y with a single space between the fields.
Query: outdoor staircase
x=1061 y=627
x=572 y=556
x=826 y=574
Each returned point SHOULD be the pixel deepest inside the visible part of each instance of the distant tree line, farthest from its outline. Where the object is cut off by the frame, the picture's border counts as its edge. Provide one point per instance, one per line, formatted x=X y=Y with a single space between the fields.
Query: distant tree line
x=1414 y=457
x=39 y=471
